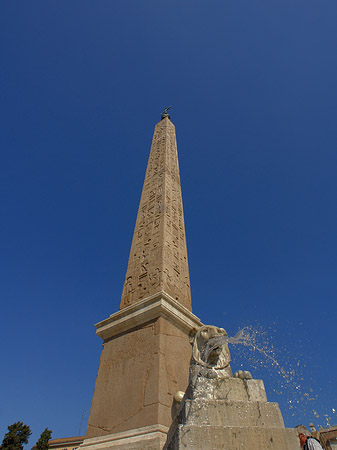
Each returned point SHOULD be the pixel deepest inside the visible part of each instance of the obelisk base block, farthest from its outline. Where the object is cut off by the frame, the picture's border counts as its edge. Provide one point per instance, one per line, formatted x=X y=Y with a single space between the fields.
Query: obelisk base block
x=144 y=362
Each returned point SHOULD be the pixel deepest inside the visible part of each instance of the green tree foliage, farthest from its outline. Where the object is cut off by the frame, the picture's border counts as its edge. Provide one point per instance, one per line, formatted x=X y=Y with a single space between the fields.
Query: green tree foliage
x=17 y=435
x=42 y=443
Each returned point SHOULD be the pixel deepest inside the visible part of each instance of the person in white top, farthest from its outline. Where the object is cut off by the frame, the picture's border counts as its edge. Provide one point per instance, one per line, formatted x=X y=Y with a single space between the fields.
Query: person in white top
x=309 y=442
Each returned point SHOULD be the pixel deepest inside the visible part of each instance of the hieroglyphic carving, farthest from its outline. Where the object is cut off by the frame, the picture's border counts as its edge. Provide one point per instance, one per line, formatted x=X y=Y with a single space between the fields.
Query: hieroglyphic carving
x=158 y=256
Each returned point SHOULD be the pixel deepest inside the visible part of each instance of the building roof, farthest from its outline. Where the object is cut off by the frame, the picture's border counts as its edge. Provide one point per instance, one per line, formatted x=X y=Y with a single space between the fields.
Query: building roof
x=67 y=440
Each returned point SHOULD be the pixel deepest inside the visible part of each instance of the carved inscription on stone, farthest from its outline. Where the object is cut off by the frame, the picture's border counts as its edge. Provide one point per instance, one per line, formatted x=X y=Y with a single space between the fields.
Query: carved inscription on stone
x=158 y=256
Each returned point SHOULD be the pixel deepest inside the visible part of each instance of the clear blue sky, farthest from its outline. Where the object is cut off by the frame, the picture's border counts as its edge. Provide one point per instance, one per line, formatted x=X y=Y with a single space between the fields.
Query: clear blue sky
x=253 y=85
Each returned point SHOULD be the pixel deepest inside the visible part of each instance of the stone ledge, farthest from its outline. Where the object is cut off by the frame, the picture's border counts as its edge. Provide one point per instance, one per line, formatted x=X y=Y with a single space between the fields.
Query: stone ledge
x=151 y=437
x=158 y=305
x=125 y=434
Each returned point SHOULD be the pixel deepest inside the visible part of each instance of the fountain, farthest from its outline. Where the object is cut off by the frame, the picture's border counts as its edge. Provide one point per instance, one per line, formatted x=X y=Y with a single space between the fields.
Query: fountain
x=222 y=410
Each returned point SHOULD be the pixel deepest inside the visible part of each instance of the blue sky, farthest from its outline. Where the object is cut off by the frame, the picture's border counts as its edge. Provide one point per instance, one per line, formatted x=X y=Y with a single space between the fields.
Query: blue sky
x=253 y=89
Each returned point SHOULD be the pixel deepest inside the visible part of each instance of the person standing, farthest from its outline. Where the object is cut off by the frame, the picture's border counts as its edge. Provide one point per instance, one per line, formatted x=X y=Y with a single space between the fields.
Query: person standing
x=309 y=442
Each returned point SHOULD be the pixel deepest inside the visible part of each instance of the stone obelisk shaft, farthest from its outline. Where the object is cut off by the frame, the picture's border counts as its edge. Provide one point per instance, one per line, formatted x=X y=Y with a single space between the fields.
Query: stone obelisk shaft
x=158 y=256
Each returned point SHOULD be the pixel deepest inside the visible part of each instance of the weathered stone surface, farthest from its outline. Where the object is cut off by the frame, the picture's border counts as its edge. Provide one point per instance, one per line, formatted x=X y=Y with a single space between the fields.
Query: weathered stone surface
x=158 y=255
x=223 y=412
x=144 y=438
x=230 y=389
x=123 y=378
x=232 y=413
x=139 y=373
x=194 y=437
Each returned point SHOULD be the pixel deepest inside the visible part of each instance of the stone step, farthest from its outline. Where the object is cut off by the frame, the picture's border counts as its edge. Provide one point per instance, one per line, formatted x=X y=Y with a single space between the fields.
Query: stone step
x=208 y=437
x=231 y=413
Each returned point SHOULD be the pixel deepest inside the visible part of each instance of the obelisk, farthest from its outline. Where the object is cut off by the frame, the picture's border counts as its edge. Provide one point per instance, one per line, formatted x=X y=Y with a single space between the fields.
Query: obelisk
x=158 y=256
x=146 y=349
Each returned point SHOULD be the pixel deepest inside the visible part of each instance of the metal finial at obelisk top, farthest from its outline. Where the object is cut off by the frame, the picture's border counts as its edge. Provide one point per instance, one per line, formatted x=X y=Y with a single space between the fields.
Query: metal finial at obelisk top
x=164 y=113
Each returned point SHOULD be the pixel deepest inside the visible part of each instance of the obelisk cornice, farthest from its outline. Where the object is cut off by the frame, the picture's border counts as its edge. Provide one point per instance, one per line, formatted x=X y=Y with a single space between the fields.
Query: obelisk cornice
x=146 y=310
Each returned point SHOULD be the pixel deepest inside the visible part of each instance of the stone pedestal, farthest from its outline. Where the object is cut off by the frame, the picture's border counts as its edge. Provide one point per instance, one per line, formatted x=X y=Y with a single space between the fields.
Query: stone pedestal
x=144 y=362
x=229 y=414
